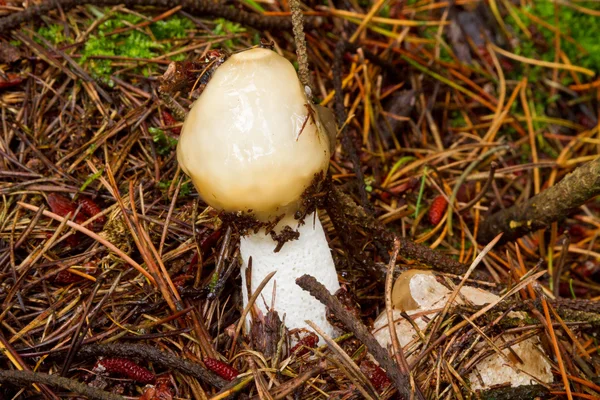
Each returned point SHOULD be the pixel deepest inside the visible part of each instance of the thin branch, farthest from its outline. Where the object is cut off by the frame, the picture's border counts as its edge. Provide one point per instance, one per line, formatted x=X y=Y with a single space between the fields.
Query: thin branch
x=547 y=207
x=398 y=354
x=26 y=378
x=300 y=40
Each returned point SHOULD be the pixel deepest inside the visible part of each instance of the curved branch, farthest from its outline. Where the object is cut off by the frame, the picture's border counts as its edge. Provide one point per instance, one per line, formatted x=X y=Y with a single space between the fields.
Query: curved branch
x=546 y=207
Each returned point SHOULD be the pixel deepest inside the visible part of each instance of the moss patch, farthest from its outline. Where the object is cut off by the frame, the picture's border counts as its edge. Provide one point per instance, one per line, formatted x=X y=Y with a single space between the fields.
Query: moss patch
x=144 y=43
x=582 y=27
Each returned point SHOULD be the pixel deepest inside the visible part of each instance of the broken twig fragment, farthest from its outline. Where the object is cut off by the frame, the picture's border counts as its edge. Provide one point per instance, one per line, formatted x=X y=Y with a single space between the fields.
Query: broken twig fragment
x=380 y=354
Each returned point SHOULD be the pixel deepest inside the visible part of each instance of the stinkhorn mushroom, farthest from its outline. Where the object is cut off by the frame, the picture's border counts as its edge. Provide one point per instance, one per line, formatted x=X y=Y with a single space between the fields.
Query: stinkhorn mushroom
x=422 y=297
x=252 y=144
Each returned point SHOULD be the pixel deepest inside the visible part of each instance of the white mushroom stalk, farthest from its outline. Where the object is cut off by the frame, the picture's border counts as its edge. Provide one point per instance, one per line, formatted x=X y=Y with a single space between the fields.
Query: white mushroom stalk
x=250 y=145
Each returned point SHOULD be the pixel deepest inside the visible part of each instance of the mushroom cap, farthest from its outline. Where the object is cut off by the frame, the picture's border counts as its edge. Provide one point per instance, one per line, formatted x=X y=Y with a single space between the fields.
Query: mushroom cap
x=247 y=144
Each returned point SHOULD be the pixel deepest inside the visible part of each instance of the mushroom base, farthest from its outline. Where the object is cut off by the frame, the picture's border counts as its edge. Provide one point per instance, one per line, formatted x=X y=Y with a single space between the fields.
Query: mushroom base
x=309 y=254
x=423 y=297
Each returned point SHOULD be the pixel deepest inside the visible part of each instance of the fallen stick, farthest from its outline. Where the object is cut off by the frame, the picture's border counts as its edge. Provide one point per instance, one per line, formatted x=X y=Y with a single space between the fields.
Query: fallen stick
x=400 y=380
x=546 y=207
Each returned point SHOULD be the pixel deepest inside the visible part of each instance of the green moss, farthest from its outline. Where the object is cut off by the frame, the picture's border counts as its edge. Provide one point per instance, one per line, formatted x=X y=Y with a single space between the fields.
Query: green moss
x=525 y=153
x=385 y=11
x=53 y=33
x=457 y=120
x=98 y=46
x=583 y=28
x=445 y=55
x=139 y=45
x=184 y=190
x=172 y=28
x=90 y=179
x=178 y=57
x=132 y=43
x=545 y=146
x=165 y=144
x=225 y=27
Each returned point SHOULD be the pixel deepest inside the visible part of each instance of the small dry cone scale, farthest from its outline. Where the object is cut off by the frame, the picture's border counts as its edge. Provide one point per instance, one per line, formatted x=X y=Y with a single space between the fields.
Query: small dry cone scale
x=422 y=297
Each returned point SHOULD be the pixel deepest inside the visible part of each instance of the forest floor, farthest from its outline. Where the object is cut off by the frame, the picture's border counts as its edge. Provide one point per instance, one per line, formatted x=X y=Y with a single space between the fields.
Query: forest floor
x=117 y=277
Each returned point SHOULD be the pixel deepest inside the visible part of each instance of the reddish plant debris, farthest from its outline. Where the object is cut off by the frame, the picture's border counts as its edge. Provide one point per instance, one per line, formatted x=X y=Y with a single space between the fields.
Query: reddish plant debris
x=194 y=262
x=350 y=304
x=214 y=54
x=10 y=80
x=65 y=277
x=375 y=374
x=437 y=209
x=466 y=192
x=565 y=290
x=62 y=205
x=307 y=342
x=91 y=209
x=125 y=367
x=209 y=241
x=160 y=391
x=410 y=184
x=407 y=186
x=220 y=368
x=385 y=196
x=71 y=241
x=576 y=232
x=180 y=281
x=191 y=268
x=88 y=208
x=170 y=121
x=587 y=269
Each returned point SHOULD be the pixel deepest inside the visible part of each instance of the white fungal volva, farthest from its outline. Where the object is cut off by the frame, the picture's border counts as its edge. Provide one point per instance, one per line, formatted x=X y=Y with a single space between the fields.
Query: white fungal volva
x=422 y=297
